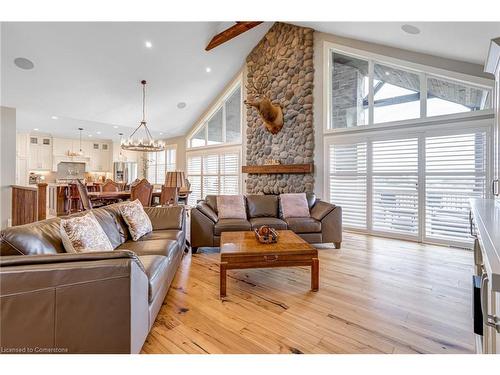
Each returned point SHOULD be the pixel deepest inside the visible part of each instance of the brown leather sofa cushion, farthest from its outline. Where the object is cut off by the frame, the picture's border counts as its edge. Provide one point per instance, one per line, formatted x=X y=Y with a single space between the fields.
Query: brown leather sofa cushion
x=262 y=205
x=304 y=225
x=153 y=247
x=156 y=267
x=42 y=237
x=166 y=234
x=273 y=222
x=207 y=211
x=165 y=217
x=226 y=225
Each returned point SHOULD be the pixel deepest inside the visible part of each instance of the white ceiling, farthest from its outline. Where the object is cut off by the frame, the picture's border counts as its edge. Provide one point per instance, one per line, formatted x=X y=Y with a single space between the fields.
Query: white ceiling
x=88 y=74
x=464 y=41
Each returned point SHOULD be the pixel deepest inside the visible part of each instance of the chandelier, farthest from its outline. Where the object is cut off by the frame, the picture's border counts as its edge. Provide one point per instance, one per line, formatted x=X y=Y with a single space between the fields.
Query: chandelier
x=146 y=144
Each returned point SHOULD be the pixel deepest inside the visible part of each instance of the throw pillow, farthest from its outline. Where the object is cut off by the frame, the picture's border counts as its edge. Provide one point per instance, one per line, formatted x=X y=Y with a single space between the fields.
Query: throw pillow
x=294 y=205
x=137 y=219
x=84 y=234
x=231 y=207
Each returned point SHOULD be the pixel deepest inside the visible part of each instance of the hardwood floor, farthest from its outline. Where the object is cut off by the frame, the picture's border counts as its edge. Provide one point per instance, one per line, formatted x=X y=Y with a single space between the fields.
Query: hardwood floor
x=376 y=296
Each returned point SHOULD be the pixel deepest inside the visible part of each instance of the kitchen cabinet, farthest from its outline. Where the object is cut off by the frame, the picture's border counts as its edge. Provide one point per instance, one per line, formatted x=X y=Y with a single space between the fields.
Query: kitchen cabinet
x=40 y=153
x=101 y=157
x=485 y=228
x=493 y=66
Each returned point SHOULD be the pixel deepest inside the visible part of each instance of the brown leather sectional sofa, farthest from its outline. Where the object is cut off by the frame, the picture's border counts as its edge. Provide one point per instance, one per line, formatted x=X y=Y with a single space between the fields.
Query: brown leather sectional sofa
x=323 y=226
x=96 y=302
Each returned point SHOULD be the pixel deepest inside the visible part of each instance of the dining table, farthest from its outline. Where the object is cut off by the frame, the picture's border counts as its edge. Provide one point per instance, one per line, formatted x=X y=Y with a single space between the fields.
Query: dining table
x=116 y=195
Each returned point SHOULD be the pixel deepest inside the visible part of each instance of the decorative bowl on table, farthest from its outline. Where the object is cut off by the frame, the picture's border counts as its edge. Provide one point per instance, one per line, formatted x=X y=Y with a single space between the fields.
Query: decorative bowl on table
x=266 y=234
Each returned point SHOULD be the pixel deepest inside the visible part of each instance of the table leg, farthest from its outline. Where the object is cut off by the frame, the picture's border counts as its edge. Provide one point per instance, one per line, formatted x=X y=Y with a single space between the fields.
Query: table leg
x=223 y=272
x=315 y=275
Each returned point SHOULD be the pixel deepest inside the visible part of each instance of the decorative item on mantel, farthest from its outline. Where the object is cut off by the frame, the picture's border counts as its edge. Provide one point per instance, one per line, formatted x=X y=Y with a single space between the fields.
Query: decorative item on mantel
x=140 y=144
x=267 y=235
x=272 y=162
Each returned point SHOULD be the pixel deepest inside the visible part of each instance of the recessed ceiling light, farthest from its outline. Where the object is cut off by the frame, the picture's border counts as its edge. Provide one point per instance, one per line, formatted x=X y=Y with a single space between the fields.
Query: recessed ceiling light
x=90 y=135
x=36 y=129
x=24 y=63
x=98 y=132
x=148 y=44
x=55 y=118
x=387 y=73
x=161 y=133
x=410 y=29
x=181 y=105
x=208 y=69
x=116 y=127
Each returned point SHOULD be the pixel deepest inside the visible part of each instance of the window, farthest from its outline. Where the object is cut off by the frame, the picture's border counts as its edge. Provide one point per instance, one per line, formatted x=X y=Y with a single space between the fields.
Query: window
x=213 y=173
x=159 y=163
x=455 y=172
x=349 y=92
x=348 y=182
x=395 y=181
x=385 y=183
x=223 y=126
x=396 y=94
x=445 y=97
x=366 y=92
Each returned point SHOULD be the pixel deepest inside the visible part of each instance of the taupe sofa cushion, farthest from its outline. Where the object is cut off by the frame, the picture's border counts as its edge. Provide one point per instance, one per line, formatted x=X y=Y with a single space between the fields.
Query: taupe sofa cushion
x=167 y=234
x=273 y=222
x=153 y=247
x=155 y=267
x=304 y=225
x=228 y=225
x=262 y=205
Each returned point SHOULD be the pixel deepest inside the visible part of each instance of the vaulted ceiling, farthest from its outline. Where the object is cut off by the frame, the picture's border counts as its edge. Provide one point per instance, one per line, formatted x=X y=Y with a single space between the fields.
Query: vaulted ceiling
x=88 y=74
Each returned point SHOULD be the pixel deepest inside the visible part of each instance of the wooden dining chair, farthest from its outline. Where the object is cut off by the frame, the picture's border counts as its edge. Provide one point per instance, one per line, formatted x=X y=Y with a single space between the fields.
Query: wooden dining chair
x=143 y=191
x=168 y=195
x=84 y=196
x=75 y=202
x=110 y=185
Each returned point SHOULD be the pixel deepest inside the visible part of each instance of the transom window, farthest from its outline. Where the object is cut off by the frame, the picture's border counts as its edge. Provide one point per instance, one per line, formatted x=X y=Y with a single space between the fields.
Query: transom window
x=366 y=92
x=223 y=126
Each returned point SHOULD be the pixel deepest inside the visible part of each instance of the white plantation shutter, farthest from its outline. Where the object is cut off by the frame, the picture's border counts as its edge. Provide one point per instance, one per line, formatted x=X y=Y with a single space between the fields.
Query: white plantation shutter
x=347 y=181
x=194 y=177
x=395 y=186
x=455 y=171
x=214 y=173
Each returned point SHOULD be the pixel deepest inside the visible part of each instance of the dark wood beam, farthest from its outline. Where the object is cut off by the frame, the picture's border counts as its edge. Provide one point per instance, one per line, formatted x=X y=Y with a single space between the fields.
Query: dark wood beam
x=230 y=33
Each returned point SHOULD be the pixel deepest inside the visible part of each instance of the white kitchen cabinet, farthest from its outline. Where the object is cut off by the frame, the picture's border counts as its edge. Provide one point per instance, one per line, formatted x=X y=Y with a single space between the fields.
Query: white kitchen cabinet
x=40 y=153
x=22 y=145
x=61 y=146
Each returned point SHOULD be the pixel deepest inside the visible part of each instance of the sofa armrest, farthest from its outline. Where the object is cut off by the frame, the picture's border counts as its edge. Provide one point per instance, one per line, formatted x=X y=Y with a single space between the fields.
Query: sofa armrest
x=321 y=209
x=207 y=211
x=331 y=226
x=202 y=229
x=74 y=303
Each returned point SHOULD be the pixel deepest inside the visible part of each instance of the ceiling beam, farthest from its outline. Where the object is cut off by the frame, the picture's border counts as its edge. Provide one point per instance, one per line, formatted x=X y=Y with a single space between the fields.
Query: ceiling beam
x=230 y=33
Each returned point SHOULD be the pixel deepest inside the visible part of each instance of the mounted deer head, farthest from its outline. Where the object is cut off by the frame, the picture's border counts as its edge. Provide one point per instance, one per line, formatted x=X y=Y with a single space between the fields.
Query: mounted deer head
x=271 y=114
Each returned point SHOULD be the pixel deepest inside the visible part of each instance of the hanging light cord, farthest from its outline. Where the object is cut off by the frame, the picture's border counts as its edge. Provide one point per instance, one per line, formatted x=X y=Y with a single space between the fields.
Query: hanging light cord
x=143 y=122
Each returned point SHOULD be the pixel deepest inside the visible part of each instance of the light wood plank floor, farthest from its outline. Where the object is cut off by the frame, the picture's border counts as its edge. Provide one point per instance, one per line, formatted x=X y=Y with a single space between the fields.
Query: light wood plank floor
x=376 y=296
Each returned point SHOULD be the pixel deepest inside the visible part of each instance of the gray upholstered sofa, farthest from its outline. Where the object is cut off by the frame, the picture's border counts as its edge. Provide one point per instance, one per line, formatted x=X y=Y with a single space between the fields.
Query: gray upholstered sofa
x=323 y=226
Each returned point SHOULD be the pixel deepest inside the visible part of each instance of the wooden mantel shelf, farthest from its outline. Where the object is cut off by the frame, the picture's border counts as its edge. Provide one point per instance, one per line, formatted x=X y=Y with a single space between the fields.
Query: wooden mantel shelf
x=279 y=168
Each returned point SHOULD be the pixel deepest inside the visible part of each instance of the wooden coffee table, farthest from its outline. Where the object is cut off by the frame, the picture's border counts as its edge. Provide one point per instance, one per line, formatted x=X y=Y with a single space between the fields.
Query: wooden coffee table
x=240 y=250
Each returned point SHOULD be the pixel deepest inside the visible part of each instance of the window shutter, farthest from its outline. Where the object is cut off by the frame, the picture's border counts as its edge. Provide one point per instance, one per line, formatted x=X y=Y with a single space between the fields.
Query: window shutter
x=395 y=186
x=229 y=168
x=348 y=182
x=455 y=170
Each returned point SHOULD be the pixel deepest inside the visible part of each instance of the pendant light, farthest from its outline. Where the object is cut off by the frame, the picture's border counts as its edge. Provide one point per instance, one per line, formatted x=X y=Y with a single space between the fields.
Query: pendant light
x=147 y=144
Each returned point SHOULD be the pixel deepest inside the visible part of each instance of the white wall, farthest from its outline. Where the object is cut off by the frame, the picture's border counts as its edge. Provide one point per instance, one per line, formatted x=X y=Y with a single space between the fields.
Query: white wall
x=7 y=162
x=180 y=153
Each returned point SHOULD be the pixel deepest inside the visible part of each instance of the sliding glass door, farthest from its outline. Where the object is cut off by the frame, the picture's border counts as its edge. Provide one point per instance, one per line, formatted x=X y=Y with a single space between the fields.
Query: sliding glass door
x=415 y=186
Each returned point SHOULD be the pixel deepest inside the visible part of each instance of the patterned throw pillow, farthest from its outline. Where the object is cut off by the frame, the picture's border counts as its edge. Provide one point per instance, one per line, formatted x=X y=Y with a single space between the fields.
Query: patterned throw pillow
x=136 y=218
x=84 y=234
x=294 y=205
x=231 y=207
